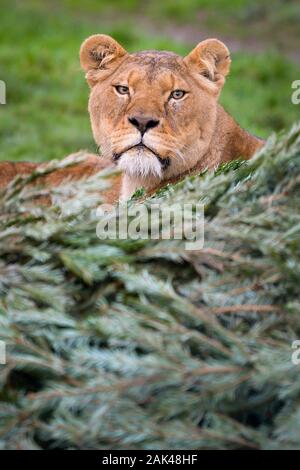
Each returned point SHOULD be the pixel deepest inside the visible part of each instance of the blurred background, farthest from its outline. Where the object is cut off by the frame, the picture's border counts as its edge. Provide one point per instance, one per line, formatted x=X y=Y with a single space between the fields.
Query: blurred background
x=46 y=112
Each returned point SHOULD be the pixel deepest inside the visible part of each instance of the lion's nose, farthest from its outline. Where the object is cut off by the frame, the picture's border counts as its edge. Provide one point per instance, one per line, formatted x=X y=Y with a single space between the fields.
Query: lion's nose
x=143 y=123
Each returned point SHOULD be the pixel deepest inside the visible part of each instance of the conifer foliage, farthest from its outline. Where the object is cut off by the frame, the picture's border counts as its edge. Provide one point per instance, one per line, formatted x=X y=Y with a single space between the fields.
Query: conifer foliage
x=140 y=344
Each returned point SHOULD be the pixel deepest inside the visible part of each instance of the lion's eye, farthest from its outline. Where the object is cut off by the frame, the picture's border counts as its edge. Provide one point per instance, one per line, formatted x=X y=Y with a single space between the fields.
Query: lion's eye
x=177 y=94
x=122 y=90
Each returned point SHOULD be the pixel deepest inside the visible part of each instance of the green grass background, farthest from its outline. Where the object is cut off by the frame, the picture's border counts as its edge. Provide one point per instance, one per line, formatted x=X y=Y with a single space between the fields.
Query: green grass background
x=46 y=112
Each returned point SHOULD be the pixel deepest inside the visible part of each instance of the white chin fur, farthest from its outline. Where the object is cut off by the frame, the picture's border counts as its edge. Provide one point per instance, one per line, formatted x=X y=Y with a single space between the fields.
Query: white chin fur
x=142 y=164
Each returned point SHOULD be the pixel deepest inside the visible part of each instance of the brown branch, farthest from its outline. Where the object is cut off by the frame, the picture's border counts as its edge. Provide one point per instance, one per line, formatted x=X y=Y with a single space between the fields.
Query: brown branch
x=245 y=308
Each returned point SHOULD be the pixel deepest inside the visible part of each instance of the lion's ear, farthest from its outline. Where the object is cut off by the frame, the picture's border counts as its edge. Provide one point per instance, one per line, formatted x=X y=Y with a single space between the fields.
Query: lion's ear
x=210 y=58
x=100 y=53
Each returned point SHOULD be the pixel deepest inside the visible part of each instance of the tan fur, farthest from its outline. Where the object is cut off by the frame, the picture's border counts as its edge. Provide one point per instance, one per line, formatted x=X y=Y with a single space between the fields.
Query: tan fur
x=151 y=136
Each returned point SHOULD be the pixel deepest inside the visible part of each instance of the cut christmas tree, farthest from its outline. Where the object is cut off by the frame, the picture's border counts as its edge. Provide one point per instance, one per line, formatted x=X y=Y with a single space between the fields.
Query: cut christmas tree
x=141 y=344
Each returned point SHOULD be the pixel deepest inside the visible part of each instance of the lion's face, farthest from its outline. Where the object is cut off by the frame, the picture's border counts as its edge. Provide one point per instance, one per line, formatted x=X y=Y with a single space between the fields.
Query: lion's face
x=153 y=112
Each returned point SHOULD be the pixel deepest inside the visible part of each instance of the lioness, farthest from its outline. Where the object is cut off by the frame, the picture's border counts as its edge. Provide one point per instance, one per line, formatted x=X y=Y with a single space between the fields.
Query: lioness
x=155 y=115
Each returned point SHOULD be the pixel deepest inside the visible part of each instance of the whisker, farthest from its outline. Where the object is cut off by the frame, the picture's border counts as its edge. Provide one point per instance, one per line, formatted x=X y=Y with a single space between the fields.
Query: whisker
x=179 y=154
x=116 y=141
